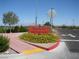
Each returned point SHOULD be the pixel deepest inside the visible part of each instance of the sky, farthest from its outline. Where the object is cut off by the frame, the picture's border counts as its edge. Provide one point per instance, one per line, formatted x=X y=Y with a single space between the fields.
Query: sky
x=67 y=11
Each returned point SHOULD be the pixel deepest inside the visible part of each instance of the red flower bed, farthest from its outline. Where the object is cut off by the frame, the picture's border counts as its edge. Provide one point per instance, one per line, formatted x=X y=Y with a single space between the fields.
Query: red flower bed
x=39 y=29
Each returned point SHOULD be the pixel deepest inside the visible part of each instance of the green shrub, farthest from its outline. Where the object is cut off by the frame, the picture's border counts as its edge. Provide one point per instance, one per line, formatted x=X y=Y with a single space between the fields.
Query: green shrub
x=4 y=43
x=35 y=38
x=2 y=30
x=70 y=27
x=22 y=29
x=18 y=29
x=47 y=24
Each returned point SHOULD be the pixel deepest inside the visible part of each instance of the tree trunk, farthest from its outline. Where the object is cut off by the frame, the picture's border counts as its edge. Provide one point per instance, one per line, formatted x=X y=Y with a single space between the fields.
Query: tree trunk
x=4 y=28
x=10 y=28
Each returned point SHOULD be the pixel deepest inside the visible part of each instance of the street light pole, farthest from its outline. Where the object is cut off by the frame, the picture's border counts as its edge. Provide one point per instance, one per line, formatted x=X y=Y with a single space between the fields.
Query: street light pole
x=51 y=18
x=36 y=13
x=51 y=14
x=36 y=20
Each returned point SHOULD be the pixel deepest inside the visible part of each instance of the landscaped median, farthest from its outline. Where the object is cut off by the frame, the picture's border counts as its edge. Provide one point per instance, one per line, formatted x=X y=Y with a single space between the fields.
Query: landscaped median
x=44 y=41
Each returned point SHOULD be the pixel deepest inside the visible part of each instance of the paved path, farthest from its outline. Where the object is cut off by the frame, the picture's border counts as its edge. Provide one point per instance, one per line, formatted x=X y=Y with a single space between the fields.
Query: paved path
x=61 y=52
x=20 y=46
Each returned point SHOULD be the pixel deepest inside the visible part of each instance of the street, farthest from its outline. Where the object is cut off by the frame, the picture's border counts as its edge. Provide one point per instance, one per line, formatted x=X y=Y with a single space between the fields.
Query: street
x=69 y=34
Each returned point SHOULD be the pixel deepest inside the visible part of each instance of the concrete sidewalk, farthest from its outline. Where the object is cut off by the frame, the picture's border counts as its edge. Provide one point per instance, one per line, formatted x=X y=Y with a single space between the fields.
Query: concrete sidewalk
x=61 y=52
x=20 y=46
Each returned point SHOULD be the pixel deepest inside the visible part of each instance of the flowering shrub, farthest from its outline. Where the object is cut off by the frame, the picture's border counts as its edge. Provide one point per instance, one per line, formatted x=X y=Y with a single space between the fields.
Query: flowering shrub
x=39 y=29
x=35 y=38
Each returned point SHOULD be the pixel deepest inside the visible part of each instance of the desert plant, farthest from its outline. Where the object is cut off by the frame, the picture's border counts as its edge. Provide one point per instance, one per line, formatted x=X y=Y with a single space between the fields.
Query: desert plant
x=4 y=43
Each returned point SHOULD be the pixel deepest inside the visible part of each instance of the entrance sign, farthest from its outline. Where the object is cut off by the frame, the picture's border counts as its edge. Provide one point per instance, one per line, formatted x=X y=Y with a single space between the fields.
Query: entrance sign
x=39 y=29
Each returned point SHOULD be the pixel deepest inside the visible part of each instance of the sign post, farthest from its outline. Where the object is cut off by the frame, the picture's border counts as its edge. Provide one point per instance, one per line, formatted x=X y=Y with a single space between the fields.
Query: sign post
x=51 y=14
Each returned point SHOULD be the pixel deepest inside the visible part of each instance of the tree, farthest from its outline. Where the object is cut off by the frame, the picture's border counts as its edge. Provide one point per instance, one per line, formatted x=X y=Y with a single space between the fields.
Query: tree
x=10 y=18
x=47 y=24
x=22 y=29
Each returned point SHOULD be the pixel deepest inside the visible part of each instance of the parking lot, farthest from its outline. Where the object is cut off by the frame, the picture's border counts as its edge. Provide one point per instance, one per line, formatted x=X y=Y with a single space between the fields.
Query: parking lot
x=71 y=39
x=69 y=34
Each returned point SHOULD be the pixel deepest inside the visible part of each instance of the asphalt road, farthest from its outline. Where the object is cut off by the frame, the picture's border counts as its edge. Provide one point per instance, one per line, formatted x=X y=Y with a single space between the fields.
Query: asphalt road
x=69 y=34
x=71 y=38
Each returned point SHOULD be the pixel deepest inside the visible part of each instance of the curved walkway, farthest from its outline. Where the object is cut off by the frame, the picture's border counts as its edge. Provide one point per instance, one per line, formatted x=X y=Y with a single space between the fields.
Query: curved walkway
x=21 y=47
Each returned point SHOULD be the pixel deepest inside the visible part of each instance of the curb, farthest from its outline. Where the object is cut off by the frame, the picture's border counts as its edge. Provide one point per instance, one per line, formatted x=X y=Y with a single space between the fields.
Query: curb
x=47 y=49
x=15 y=50
x=50 y=48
